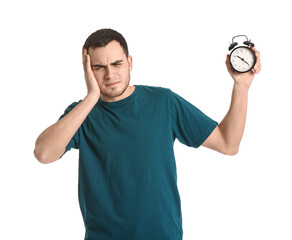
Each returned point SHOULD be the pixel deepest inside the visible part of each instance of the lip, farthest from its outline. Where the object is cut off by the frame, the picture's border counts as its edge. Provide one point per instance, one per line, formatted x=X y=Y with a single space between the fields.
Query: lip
x=111 y=84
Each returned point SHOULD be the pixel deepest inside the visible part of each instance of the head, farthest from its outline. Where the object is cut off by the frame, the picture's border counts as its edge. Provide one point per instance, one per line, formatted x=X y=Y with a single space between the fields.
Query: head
x=110 y=63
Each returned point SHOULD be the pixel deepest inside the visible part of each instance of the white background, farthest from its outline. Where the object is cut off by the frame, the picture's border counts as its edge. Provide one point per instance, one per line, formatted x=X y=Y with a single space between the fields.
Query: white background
x=180 y=45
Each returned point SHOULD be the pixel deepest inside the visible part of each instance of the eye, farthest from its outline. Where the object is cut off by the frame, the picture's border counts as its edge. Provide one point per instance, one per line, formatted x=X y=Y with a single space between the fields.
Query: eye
x=97 y=68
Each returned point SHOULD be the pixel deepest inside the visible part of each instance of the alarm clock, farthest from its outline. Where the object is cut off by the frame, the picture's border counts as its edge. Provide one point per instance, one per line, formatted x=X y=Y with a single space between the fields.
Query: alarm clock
x=242 y=58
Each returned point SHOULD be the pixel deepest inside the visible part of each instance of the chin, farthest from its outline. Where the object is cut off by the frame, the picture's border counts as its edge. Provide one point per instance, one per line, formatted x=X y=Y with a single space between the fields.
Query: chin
x=115 y=91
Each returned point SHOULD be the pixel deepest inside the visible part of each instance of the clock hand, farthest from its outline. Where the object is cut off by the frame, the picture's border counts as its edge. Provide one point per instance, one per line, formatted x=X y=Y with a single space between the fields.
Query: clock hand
x=239 y=57
x=245 y=62
x=242 y=59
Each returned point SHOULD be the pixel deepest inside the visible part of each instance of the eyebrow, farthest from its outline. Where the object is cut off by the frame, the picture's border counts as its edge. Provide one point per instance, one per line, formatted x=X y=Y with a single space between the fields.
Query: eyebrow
x=100 y=65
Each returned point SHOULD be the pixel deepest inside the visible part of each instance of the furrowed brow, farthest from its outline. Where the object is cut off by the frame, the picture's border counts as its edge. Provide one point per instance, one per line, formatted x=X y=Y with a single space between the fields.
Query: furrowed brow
x=98 y=65
x=101 y=66
x=117 y=62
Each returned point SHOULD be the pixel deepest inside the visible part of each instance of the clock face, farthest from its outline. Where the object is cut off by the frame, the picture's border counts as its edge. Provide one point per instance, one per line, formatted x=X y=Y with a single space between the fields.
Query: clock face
x=242 y=59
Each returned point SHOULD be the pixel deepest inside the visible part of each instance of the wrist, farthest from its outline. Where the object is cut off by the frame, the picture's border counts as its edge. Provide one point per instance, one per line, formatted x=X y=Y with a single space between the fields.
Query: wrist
x=241 y=86
x=93 y=97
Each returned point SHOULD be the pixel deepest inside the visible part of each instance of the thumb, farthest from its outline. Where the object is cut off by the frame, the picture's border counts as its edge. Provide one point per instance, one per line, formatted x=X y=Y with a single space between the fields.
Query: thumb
x=228 y=64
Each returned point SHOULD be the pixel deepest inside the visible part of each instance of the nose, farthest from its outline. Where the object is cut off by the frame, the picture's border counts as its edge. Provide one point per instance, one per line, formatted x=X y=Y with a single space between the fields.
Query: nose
x=109 y=73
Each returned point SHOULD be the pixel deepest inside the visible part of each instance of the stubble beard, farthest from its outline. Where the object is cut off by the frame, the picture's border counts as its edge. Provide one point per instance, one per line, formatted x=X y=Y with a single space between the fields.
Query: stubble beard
x=113 y=93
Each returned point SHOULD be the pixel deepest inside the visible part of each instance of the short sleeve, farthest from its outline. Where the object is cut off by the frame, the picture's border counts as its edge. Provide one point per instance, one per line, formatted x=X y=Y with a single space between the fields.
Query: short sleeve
x=74 y=142
x=189 y=125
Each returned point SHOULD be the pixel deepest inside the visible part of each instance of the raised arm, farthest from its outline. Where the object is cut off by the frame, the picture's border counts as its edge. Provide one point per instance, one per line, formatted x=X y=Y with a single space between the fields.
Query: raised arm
x=227 y=135
x=51 y=143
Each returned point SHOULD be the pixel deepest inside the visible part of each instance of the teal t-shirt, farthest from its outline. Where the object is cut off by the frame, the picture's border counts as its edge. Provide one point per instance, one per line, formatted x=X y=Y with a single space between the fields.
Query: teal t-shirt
x=127 y=172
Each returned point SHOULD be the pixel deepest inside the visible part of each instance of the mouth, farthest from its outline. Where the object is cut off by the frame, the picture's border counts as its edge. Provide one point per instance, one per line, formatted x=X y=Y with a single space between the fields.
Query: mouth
x=111 y=84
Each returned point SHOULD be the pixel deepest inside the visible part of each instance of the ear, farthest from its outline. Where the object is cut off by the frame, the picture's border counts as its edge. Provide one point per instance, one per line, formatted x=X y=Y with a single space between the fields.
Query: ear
x=130 y=61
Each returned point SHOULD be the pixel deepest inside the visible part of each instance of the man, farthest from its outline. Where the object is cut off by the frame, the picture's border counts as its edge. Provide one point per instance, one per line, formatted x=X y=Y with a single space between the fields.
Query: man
x=125 y=135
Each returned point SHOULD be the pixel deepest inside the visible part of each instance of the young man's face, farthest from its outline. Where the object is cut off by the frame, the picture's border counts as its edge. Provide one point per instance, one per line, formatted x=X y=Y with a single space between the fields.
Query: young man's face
x=111 y=69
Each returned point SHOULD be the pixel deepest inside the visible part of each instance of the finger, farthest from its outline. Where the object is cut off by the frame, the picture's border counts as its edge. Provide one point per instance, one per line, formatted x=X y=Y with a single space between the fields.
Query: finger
x=83 y=52
x=83 y=56
x=228 y=65
x=257 y=53
x=86 y=61
x=88 y=64
x=258 y=66
x=258 y=69
x=227 y=59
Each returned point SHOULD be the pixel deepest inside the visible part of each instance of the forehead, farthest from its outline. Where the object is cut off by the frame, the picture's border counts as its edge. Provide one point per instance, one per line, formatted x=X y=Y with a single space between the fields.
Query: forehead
x=112 y=51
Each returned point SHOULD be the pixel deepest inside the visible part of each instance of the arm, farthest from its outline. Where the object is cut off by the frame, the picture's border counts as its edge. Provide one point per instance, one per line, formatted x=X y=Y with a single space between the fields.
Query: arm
x=51 y=143
x=227 y=135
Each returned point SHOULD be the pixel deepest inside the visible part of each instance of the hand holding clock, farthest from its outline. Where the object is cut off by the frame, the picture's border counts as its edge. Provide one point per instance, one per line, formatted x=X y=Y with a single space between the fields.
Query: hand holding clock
x=244 y=79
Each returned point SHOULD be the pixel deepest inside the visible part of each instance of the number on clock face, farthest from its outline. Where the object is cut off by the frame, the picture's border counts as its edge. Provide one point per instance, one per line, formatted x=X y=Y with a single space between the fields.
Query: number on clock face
x=242 y=59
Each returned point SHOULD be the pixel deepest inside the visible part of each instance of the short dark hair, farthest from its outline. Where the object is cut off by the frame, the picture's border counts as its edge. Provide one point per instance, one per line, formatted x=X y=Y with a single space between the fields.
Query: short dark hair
x=102 y=37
